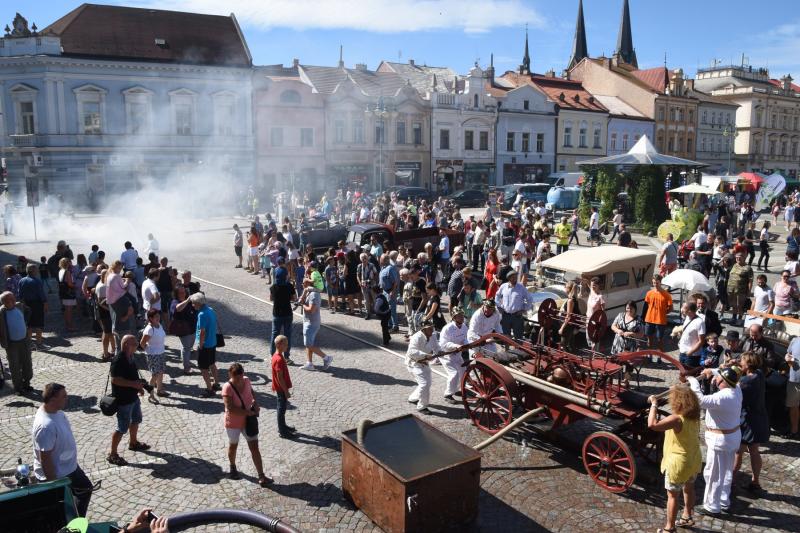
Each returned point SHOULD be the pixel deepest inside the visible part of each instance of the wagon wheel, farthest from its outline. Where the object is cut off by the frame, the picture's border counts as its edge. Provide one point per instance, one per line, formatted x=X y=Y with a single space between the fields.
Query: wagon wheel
x=596 y=326
x=647 y=445
x=547 y=312
x=487 y=398
x=609 y=461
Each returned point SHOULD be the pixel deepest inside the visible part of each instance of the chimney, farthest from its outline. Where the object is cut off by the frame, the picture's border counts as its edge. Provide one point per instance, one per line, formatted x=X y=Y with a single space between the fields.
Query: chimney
x=361 y=66
x=295 y=62
x=411 y=62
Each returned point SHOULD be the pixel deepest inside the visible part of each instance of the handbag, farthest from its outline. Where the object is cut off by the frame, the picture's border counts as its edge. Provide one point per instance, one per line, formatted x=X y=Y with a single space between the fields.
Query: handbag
x=220 y=340
x=108 y=404
x=250 y=421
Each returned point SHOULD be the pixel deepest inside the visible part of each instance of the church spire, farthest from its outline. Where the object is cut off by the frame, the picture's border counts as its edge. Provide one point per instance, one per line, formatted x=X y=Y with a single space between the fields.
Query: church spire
x=625 y=49
x=525 y=67
x=579 y=48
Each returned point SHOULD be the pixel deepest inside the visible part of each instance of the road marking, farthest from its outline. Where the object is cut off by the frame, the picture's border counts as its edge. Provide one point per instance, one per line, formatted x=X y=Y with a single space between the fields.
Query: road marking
x=332 y=328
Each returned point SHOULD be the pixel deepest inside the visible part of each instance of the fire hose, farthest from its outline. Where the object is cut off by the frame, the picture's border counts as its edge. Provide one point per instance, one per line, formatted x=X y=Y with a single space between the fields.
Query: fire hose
x=508 y=428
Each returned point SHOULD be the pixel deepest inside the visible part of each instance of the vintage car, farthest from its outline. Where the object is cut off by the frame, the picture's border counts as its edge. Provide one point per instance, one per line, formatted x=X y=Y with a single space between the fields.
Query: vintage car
x=624 y=273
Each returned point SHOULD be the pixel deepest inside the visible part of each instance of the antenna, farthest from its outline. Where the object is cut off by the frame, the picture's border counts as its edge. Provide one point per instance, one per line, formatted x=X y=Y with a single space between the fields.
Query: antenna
x=399 y=55
x=665 y=59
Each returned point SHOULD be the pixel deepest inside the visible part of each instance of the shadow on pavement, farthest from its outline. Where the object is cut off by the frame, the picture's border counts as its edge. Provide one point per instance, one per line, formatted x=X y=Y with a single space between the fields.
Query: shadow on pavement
x=373 y=378
x=319 y=495
x=196 y=470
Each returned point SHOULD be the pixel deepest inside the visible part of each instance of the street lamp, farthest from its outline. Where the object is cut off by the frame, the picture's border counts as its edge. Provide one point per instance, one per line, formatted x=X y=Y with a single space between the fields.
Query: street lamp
x=381 y=111
x=730 y=134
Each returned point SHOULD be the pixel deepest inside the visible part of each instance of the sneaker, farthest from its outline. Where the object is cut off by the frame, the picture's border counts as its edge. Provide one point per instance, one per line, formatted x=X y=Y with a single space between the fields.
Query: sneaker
x=449 y=399
x=307 y=366
x=424 y=410
x=328 y=359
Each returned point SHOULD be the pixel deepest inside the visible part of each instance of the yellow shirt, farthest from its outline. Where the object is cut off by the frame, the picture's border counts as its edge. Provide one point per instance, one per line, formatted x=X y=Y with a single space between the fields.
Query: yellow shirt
x=562 y=232
x=682 y=457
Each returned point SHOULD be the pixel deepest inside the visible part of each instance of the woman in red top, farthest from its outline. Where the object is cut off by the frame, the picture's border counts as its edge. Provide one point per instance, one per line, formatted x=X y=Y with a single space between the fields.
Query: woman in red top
x=490 y=273
x=240 y=402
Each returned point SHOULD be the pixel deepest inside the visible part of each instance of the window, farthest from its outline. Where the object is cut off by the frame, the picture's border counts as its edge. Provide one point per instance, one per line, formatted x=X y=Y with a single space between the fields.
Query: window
x=795 y=123
x=401 y=132
x=680 y=115
x=568 y=134
x=620 y=279
x=90 y=101
x=582 y=135
x=540 y=142
x=484 y=140
x=703 y=144
x=673 y=114
x=719 y=145
x=417 y=129
x=727 y=118
x=774 y=121
x=713 y=117
x=380 y=132
x=444 y=139
x=510 y=141
x=625 y=141
x=679 y=144
x=358 y=131
x=290 y=97
x=27 y=118
x=526 y=142
x=475 y=101
x=596 y=139
x=276 y=137
x=784 y=148
x=137 y=110
x=705 y=117
x=759 y=118
x=794 y=149
x=225 y=113
x=772 y=148
x=469 y=140
x=660 y=113
x=670 y=144
x=612 y=142
x=691 y=115
x=338 y=131
x=306 y=136
x=183 y=109
x=526 y=105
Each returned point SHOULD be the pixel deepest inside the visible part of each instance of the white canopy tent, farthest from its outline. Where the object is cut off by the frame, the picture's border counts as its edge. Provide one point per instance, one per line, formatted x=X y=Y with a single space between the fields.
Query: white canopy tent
x=643 y=153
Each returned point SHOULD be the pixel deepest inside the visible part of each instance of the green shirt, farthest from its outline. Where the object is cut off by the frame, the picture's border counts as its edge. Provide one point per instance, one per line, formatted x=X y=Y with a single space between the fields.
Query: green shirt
x=740 y=278
x=562 y=232
x=466 y=304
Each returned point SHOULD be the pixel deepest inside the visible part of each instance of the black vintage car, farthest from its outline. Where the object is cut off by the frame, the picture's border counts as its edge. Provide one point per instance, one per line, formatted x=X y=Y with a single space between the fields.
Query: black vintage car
x=468 y=198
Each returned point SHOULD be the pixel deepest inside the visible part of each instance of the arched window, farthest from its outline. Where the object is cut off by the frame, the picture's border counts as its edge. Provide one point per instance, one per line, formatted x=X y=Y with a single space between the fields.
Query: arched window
x=475 y=100
x=290 y=97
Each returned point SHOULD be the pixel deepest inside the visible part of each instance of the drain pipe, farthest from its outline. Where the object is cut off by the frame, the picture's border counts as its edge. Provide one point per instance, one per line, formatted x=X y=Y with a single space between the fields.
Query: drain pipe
x=508 y=428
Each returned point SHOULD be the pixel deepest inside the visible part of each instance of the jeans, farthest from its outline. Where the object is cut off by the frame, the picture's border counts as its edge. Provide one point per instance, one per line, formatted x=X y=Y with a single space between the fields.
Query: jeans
x=281 y=324
x=187 y=341
x=81 y=490
x=512 y=324
x=283 y=401
x=393 y=322
x=385 y=328
x=477 y=257
x=561 y=248
x=19 y=363
x=689 y=361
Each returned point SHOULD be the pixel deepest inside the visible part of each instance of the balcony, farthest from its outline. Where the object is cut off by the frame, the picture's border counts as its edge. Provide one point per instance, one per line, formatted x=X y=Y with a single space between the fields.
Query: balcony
x=25 y=140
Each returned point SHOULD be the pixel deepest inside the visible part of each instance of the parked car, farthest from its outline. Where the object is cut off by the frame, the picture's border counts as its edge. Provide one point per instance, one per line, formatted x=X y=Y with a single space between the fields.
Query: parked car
x=468 y=198
x=414 y=193
x=359 y=236
x=531 y=192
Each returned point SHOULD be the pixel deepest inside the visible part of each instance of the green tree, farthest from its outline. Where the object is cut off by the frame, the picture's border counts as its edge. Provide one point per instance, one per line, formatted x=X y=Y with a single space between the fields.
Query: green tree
x=650 y=206
x=588 y=191
x=608 y=185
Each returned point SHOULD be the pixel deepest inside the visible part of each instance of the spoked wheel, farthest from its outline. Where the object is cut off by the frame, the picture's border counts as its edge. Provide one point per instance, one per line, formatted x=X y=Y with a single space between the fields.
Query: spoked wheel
x=487 y=398
x=609 y=461
x=596 y=326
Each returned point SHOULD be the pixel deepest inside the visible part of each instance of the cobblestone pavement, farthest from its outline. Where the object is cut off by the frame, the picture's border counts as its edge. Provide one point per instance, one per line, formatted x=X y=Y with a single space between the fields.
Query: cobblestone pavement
x=528 y=482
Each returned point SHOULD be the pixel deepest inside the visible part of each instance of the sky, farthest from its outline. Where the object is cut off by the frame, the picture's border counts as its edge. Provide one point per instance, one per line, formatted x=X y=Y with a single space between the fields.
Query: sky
x=458 y=33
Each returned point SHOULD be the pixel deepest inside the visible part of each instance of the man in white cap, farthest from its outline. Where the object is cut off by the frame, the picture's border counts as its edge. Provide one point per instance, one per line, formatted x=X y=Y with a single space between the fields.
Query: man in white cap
x=422 y=347
x=484 y=322
x=723 y=436
x=453 y=337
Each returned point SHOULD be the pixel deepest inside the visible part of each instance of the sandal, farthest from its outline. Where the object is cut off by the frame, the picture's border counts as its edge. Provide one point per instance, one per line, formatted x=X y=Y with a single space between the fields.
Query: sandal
x=115 y=459
x=139 y=446
x=666 y=530
x=685 y=521
x=265 y=481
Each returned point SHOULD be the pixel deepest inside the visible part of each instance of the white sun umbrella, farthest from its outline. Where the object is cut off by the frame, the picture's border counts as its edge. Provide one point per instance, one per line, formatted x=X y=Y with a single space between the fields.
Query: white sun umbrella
x=695 y=188
x=686 y=280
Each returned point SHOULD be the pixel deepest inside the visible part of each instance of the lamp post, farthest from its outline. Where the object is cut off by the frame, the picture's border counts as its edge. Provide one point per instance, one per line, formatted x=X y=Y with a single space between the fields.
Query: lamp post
x=730 y=134
x=381 y=111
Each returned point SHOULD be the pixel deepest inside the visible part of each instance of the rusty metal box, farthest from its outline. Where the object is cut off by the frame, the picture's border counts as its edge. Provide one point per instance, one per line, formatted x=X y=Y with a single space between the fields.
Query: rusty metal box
x=406 y=475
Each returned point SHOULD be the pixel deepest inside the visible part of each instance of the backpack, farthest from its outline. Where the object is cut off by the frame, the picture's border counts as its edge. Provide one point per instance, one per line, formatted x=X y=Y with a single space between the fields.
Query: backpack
x=381 y=307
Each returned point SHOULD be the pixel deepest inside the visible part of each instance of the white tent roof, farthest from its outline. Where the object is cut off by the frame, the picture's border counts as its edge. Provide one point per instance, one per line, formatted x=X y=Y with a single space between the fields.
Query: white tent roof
x=696 y=188
x=643 y=153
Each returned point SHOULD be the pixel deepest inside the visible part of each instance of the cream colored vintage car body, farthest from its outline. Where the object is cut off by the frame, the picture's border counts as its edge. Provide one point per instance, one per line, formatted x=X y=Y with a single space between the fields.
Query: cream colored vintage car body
x=624 y=273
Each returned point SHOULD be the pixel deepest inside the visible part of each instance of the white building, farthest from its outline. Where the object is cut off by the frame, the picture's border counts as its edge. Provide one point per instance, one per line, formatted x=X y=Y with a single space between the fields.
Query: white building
x=526 y=130
x=626 y=125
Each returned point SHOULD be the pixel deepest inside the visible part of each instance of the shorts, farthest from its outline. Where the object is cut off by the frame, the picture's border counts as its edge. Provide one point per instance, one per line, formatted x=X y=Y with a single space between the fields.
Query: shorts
x=156 y=363
x=310 y=333
x=253 y=251
x=233 y=435
x=128 y=415
x=104 y=316
x=677 y=487
x=238 y=251
x=654 y=330
x=166 y=301
x=792 y=394
x=594 y=234
x=206 y=357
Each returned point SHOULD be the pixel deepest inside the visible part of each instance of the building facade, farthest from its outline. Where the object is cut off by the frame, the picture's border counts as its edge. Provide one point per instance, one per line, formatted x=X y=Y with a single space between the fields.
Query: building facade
x=716 y=129
x=767 y=118
x=526 y=139
x=289 y=131
x=107 y=97
x=626 y=125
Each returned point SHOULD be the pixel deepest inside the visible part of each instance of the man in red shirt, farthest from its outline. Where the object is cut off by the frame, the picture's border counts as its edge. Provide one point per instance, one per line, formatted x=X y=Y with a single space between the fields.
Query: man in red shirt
x=281 y=383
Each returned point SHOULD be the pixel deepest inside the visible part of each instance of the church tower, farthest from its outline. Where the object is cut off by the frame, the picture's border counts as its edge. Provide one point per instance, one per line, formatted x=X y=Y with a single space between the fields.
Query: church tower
x=579 y=48
x=625 y=50
x=525 y=67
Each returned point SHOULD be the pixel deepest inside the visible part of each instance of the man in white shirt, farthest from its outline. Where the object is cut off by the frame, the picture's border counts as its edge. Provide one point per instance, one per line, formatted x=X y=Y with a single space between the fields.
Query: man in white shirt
x=129 y=256
x=723 y=436
x=693 y=336
x=453 y=337
x=422 y=347
x=699 y=237
x=482 y=323
x=513 y=300
x=55 y=454
x=594 y=227
x=151 y=298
